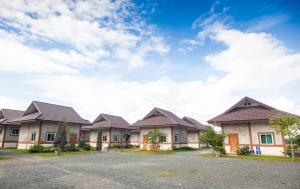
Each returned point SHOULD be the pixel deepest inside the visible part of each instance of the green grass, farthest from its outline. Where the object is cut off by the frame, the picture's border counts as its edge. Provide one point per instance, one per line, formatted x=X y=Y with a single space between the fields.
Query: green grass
x=171 y=172
x=255 y=157
x=147 y=152
x=52 y=154
x=184 y=149
x=18 y=151
x=4 y=157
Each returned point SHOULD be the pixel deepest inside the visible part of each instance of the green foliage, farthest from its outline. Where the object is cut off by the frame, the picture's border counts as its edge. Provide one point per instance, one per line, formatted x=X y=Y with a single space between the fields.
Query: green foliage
x=60 y=140
x=184 y=149
x=71 y=148
x=245 y=150
x=40 y=149
x=214 y=139
x=85 y=146
x=154 y=138
x=288 y=125
x=122 y=146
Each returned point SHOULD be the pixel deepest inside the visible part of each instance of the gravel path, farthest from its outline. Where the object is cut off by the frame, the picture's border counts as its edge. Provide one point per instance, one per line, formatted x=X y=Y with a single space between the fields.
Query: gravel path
x=114 y=170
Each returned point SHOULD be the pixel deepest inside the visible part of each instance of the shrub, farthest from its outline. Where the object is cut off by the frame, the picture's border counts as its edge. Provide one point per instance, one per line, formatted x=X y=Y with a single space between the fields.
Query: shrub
x=85 y=146
x=220 y=149
x=184 y=149
x=115 y=146
x=71 y=148
x=36 y=148
x=245 y=150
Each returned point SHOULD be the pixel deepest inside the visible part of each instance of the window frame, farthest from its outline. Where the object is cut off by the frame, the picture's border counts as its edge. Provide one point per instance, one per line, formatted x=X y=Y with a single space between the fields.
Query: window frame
x=104 y=136
x=53 y=137
x=14 y=128
x=177 y=136
x=266 y=134
x=33 y=133
x=164 y=137
x=118 y=138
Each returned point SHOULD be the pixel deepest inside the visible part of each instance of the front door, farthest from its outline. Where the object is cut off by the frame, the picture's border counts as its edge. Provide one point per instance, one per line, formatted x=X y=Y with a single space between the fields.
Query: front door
x=73 y=138
x=233 y=142
x=145 y=142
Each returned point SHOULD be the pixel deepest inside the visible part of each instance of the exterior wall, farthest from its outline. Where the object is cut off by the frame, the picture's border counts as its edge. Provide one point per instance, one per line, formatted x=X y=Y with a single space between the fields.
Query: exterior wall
x=106 y=132
x=11 y=141
x=193 y=139
x=135 y=138
x=47 y=126
x=163 y=146
x=245 y=131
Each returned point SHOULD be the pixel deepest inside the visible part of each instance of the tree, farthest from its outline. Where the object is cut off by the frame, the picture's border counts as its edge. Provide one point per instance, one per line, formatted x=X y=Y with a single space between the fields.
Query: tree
x=61 y=136
x=154 y=138
x=99 y=140
x=214 y=139
x=287 y=125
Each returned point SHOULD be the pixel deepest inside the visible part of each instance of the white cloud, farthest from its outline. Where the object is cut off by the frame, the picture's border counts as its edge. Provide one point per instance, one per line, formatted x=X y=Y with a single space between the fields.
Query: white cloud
x=9 y=103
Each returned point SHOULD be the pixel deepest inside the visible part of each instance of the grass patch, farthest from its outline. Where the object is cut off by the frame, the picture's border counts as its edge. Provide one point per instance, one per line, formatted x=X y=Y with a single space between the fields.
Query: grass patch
x=208 y=155
x=147 y=152
x=255 y=157
x=175 y=173
x=183 y=149
x=4 y=157
x=17 y=151
x=268 y=158
x=52 y=154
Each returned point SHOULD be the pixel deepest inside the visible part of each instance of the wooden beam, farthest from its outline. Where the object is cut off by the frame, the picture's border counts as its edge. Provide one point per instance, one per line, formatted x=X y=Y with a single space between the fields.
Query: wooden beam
x=40 y=131
x=109 y=137
x=172 y=142
x=4 y=133
x=250 y=135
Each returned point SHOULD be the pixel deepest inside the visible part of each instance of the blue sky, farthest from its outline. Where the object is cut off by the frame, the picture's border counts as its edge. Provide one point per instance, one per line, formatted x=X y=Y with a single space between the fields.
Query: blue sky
x=195 y=58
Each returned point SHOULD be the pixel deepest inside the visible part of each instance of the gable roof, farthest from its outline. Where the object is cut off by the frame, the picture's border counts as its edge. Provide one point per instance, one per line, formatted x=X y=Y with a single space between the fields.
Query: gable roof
x=107 y=121
x=6 y=115
x=50 y=112
x=194 y=122
x=247 y=109
x=160 y=117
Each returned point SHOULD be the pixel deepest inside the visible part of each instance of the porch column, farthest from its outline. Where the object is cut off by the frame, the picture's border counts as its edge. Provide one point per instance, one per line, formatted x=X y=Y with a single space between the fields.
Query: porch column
x=40 y=132
x=172 y=142
x=250 y=135
x=109 y=142
x=4 y=133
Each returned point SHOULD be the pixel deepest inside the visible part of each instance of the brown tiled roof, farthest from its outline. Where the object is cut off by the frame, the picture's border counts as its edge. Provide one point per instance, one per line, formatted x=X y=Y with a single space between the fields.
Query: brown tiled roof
x=107 y=121
x=50 y=112
x=160 y=117
x=6 y=115
x=194 y=122
x=247 y=109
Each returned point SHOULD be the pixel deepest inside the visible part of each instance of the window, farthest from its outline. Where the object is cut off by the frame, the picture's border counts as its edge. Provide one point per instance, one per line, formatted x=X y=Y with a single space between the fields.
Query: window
x=116 y=138
x=50 y=137
x=104 y=138
x=177 y=138
x=33 y=136
x=1 y=130
x=266 y=139
x=163 y=138
x=14 y=131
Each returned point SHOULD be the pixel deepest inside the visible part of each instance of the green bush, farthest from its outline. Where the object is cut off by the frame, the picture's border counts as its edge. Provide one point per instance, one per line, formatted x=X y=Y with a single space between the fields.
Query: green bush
x=36 y=148
x=71 y=148
x=245 y=150
x=220 y=149
x=84 y=146
x=184 y=149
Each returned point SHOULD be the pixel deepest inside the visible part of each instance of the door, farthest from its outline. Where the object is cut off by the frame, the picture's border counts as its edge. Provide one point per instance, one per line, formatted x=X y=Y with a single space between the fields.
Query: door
x=233 y=142
x=145 y=142
x=73 y=138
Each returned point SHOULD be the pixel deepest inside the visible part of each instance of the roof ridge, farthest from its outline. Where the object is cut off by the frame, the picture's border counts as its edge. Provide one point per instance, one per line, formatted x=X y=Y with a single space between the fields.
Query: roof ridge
x=164 y=112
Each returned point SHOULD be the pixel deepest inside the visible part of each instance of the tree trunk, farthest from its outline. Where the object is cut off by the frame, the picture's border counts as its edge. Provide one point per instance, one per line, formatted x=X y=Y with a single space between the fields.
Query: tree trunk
x=292 y=149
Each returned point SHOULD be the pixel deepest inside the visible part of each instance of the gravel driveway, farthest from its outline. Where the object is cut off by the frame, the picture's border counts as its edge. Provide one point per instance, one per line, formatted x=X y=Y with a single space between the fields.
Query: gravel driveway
x=115 y=170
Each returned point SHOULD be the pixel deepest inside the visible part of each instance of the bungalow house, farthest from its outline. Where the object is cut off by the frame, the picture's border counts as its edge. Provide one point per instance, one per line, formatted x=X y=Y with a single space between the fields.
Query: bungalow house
x=40 y=121
x=193 y=139
x=114 y=129
x=176 y=132
x=247 y=124
x=9 y=133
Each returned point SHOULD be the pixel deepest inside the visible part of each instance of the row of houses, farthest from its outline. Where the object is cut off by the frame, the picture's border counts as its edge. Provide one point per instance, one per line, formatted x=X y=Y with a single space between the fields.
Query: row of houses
x=245 y=124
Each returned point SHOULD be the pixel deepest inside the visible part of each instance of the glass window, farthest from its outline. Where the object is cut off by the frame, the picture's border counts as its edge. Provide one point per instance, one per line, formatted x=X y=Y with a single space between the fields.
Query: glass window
x=14 y=131
x=33 y=136
x=266 y=138
x=177 y=138
x=116 y=138
x=50 y=137
x=163 y=138
x=104 y=138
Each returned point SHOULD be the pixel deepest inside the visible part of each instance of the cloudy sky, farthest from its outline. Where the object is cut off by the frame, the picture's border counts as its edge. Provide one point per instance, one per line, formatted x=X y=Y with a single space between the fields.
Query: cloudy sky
x=195 y=58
